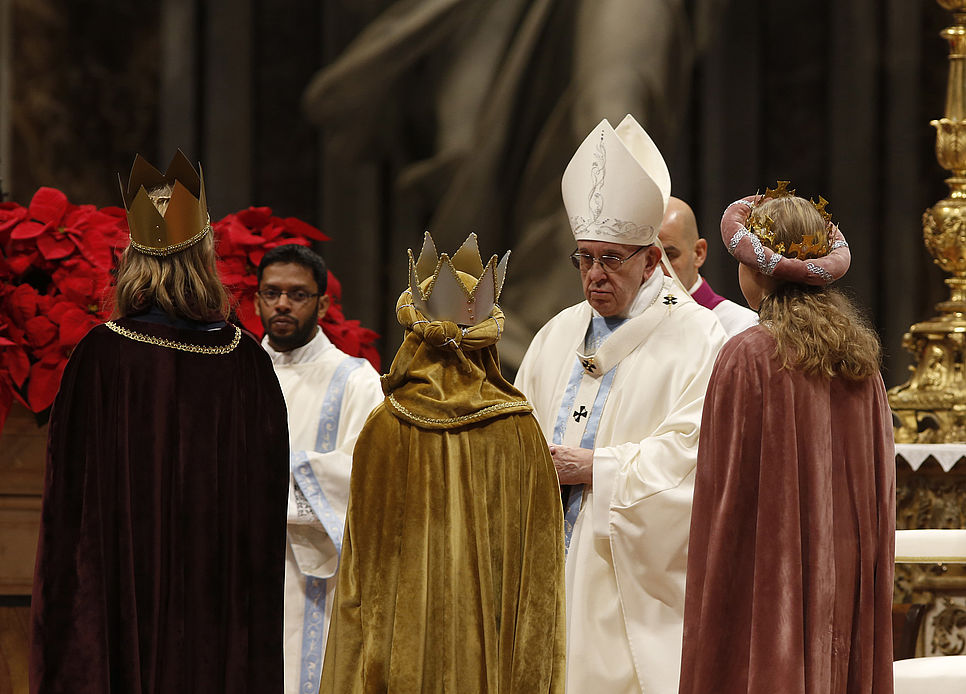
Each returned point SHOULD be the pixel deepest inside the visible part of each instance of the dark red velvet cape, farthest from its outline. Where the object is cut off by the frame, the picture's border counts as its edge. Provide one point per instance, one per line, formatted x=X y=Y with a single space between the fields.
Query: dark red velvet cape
x=161 y=556
x=790 y=560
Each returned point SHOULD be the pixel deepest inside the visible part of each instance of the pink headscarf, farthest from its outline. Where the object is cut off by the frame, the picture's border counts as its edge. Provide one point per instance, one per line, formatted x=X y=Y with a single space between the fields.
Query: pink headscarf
x=744 y=245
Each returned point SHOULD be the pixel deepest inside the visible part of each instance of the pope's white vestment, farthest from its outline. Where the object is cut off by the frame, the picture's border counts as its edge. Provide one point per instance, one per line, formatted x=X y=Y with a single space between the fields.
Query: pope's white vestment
x=636 y=399
x=329 y=395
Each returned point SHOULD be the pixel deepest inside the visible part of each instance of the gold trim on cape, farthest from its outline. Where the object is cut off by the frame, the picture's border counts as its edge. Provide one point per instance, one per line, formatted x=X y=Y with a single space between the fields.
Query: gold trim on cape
x=173 y=344
x=479 y=414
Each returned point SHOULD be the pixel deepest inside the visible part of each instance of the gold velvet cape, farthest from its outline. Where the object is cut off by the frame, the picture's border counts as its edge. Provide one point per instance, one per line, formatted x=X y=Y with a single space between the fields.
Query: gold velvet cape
x=452 y=571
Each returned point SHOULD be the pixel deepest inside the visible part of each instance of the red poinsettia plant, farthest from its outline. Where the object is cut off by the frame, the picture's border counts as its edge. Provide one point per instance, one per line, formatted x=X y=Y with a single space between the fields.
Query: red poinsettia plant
x=56 y=260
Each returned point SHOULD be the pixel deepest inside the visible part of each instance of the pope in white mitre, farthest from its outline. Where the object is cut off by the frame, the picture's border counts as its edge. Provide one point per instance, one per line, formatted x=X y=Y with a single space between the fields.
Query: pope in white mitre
x=617 y=383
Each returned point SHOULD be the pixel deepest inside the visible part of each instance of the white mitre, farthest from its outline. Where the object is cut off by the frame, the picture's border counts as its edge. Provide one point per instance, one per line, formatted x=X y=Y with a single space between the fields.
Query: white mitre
x=616 y=186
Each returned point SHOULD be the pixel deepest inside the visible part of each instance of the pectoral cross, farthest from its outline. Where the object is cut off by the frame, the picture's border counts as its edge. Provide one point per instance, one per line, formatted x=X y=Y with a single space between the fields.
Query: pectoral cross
x=580 y=413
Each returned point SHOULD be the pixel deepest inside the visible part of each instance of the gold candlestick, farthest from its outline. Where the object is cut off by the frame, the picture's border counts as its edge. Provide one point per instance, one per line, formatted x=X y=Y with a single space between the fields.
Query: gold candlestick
x=931 y=405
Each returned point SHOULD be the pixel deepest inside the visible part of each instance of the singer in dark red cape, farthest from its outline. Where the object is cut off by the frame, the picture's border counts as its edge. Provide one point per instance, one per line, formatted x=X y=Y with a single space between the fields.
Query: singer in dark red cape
x=790 y=558
x=161 y=556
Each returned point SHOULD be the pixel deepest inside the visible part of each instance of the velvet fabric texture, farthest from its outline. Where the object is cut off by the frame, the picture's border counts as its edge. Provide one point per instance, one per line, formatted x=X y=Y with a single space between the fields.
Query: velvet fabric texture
x=790 y=565
x=161 y=556
x=452 y=573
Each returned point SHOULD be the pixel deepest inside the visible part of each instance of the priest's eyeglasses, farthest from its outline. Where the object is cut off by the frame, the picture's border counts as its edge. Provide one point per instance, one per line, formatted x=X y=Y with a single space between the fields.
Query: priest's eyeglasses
x=298 y=296
x=608 y=263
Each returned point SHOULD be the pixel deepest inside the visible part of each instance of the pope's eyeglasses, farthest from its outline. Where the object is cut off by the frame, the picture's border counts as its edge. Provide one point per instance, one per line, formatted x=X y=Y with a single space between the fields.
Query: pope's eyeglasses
x=608 y=263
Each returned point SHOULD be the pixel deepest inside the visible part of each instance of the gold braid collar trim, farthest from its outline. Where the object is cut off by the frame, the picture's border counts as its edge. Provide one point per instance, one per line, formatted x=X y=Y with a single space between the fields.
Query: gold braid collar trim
x=479 y=414
x=172 y=344
x=168 y=250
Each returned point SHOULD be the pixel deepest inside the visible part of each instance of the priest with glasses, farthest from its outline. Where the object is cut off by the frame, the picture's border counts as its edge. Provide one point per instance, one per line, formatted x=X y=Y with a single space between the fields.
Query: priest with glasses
x=328 y=395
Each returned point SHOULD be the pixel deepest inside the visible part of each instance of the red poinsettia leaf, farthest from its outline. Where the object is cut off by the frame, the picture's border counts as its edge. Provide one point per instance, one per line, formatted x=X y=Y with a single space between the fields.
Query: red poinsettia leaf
x=43 y=384
x=19 y=264
x=256 y=255
x=22 y=303
x=249 y=321
x=81 y=282
x=334 y=314
x=79 y=217
x=74 y=326
x=98 y=246
x=17 y=364
x=55 y=246
x=48 y=206
x=60 y=309
x=255 y=217
x=40 y=331
x=232 y=270
x=242 y=236
x=333 y=287
x=300 y=228
x=28 y=230
x=11 y=214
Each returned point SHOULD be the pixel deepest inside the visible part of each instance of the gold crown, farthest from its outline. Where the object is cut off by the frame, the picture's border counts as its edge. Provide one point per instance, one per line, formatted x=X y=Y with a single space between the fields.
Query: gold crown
x=460 y=289
x=173 y=223
x=763 y=227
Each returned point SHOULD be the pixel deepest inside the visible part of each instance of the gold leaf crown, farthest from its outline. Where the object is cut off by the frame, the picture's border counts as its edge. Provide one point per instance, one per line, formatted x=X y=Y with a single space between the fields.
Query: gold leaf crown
x=181 y=222
x=763 y=227
x=458 y=289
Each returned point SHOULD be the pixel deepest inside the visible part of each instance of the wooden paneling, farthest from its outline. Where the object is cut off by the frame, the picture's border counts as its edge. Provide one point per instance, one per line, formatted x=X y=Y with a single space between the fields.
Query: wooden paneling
x=19 y=528
x=23 y=447
x=14 y=649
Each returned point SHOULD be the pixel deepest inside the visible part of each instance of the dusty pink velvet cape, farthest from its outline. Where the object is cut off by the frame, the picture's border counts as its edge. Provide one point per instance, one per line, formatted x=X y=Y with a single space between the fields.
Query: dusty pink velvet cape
x=451 y=577
x=790 y=560
x=161 y=559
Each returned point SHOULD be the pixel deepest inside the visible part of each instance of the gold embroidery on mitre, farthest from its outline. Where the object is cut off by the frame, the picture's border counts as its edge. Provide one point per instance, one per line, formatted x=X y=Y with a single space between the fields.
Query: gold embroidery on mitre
x=458 y=289
x=171 y=223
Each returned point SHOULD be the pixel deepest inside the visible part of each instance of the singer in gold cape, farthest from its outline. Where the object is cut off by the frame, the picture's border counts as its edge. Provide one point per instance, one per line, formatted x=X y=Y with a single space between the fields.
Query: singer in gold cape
x=452 y=564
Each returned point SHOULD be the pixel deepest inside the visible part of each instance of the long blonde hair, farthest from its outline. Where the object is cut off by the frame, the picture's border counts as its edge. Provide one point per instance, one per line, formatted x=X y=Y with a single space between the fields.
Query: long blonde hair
x=816 y=329
x=184 y=284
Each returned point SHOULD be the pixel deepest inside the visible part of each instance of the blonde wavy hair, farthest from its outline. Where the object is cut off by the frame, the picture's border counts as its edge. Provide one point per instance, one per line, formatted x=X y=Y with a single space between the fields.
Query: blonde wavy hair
x=816 y=329
x=184 y=284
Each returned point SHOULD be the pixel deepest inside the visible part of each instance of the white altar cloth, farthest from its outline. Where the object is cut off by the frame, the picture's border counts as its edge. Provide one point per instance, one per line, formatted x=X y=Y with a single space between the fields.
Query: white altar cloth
x=931 y=545
x=946 y=454
x=944 y=673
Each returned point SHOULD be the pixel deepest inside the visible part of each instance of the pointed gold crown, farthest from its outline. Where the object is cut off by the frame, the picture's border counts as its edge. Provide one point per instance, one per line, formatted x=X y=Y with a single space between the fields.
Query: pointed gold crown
x=811 y=247
x=458 y=289
x=173 y=222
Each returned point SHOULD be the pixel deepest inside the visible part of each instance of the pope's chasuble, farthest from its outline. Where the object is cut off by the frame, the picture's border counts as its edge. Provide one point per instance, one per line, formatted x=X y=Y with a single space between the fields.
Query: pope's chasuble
x=636 y=401
x=329 y=395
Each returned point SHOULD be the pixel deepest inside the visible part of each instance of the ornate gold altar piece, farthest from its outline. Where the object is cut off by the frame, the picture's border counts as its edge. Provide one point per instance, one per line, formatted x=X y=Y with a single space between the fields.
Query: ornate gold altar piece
x=931 y=405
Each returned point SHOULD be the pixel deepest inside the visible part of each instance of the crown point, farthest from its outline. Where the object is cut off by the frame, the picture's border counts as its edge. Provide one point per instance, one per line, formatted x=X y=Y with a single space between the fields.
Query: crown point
x=467 y=258
x=426 y=264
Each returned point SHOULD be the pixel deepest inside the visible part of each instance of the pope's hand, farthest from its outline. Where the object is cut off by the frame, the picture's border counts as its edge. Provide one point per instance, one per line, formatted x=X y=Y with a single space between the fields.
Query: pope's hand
x=574 y=465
